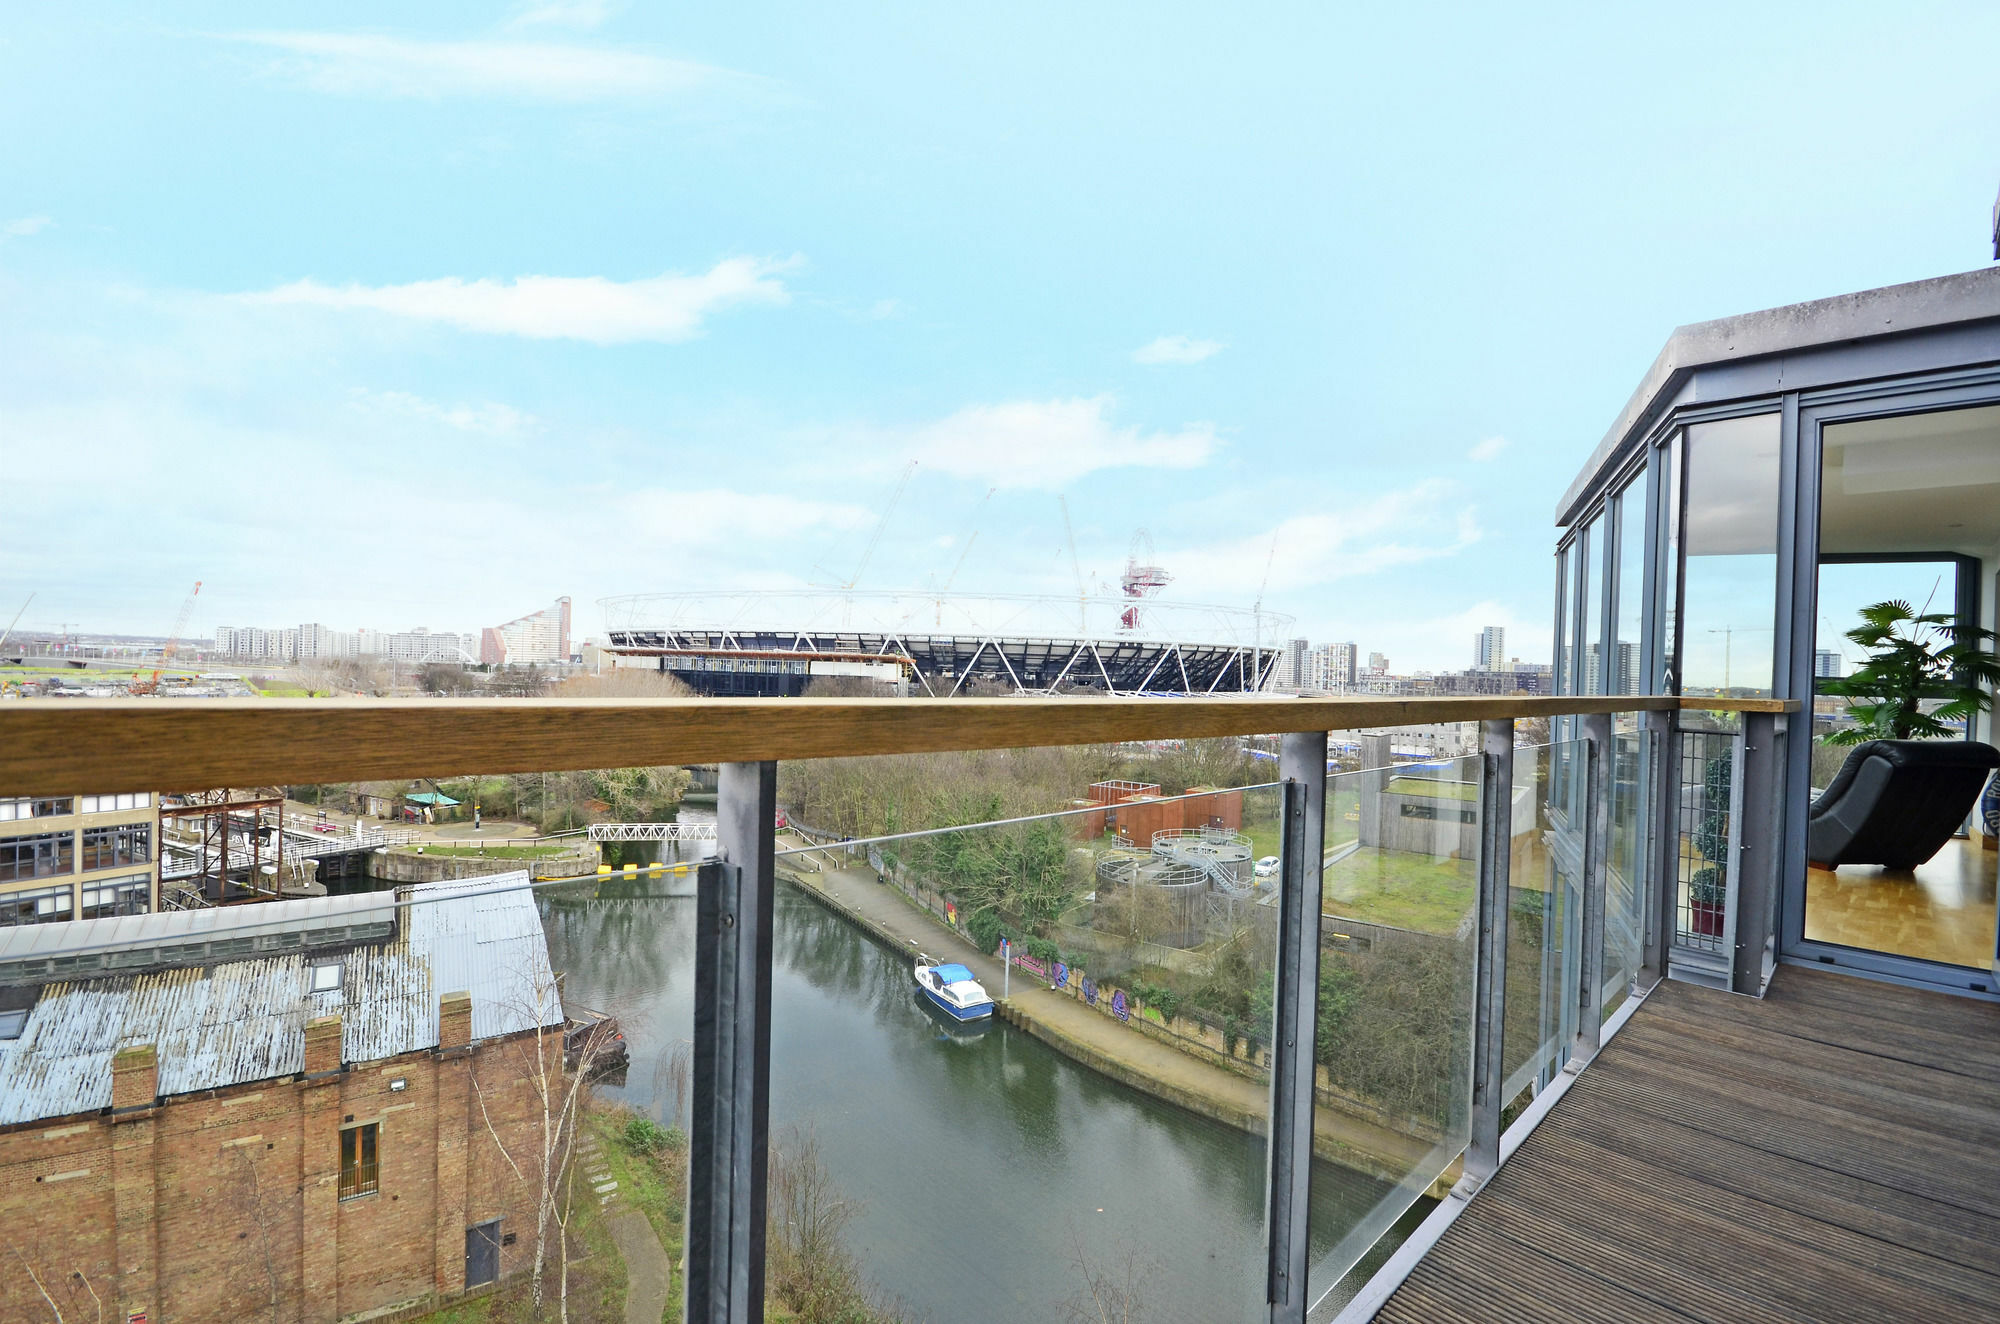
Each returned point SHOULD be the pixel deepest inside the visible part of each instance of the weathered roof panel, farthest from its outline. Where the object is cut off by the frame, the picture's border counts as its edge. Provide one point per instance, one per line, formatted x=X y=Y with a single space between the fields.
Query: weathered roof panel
x=233 y=1022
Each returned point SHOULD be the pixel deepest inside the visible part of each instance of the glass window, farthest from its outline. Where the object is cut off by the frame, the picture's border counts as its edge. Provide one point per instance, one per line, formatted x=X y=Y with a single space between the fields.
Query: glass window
x=1670 y=566
x=42 y=905
x=105 y=804
x=1564 y=559
x=1626 y=668
x=1910 y=515
x=1589 y=613
x=1731 y=556
x=118 y=896
x=40 y=856
x=358 y=1171
x=25 y=807
x=118 y=846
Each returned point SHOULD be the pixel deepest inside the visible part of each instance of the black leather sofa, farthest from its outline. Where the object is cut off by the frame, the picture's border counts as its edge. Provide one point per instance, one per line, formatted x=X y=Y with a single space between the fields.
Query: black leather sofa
x=1895 y=802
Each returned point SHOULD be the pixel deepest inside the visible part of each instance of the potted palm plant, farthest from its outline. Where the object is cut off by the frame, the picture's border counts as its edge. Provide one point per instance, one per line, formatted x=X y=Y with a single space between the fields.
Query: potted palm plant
x=1922 y=679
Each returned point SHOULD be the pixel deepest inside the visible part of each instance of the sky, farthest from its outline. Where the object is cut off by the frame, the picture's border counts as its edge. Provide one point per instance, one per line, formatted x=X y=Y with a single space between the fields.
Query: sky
x=387 y=316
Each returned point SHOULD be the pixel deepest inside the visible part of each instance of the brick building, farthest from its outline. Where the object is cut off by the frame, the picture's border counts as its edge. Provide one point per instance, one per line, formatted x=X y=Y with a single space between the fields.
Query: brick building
x=330 y=1113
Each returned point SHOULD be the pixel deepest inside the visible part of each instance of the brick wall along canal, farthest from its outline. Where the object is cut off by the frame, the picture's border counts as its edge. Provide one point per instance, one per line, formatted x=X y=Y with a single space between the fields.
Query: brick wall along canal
x=979 y=1165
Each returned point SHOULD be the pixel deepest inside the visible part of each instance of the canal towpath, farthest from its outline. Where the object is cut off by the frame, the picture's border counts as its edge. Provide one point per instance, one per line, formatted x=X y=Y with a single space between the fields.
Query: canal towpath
x=1094 y=1039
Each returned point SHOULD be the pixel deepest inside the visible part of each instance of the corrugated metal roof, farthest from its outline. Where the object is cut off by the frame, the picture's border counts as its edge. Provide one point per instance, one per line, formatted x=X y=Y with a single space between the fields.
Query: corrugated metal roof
x=239 y=1021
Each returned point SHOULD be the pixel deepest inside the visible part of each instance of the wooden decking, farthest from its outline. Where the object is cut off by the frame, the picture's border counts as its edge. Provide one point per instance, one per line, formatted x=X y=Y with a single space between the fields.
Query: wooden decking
x=1830 y=1153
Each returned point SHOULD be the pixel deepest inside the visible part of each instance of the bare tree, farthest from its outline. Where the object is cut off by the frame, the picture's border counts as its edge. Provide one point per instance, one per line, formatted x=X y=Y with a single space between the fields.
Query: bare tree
x=671 y=1078
x=808 y=1265
x=1112 y=1291
x=558 y=1074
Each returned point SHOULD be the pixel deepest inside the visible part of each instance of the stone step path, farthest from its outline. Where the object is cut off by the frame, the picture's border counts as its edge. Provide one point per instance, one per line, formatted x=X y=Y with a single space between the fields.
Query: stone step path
x=648 y=1274
x=602 y=1184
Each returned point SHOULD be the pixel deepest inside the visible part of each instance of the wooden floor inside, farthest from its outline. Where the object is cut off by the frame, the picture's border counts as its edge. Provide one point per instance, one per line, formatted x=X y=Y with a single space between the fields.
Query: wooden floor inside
x=1944 y=911
x=1829 y=1153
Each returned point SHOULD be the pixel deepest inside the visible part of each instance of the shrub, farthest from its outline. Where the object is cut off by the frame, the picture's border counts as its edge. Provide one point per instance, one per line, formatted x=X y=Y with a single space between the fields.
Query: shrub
x=643 y=1135
x=983 y=926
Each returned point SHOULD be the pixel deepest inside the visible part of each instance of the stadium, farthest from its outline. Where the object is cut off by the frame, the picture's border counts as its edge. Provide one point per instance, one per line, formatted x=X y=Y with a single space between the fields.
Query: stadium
x=778 y=642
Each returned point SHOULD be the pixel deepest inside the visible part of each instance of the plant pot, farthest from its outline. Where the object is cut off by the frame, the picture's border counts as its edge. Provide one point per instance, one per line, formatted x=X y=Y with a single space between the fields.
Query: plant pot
x=1705 y=918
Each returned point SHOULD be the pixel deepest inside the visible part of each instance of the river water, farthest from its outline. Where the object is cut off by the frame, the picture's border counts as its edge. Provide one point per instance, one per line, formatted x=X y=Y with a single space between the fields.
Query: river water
x=982 y=1169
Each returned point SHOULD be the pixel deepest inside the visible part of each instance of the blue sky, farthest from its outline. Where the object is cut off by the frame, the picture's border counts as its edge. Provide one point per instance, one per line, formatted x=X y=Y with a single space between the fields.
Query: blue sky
x=379 y=324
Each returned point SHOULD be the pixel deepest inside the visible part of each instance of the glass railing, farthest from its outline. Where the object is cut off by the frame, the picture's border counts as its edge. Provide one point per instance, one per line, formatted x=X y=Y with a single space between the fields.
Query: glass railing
x=1097 y=1141
x=1090 y=1140
x=1544 y=920
x=1392 y=1055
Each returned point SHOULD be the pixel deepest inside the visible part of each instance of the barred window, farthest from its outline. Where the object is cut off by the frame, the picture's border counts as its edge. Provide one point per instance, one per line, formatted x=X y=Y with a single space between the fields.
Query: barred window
x=41 y=856
x=118 y=846
x=41 y=905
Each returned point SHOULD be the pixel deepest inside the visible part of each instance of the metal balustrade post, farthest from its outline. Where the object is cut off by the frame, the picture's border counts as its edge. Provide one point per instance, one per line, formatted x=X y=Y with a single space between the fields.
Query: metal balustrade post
x=1302 y=774
x=1662 y=846
x=1600 y=770
x=1754 y=954
x=728 y=1141
x=1496 y=845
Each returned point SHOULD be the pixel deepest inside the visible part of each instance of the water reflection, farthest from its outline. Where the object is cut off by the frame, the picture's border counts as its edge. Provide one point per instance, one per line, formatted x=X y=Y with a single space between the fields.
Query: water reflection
x=983 y=1163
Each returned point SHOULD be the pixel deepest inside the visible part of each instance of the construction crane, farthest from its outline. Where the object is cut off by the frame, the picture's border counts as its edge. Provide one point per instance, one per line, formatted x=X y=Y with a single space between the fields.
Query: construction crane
x=964 y=552
x=1082 y=597
x=1257 y=611
x=173 y=642
x=868 y=552
x=6 y=633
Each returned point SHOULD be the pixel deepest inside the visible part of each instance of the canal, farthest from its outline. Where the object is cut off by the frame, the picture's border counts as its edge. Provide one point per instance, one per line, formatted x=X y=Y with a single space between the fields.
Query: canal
x=986 y=1172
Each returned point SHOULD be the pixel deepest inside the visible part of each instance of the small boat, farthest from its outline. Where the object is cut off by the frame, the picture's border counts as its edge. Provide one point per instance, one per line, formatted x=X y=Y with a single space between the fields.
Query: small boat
x=952 y=990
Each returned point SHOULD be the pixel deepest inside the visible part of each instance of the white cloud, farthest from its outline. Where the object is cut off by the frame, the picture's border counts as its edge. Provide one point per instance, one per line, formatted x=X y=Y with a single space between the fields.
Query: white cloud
x=371 y=65
x=25 y=226
x=1050 y=443
x=584 y=14
x=665 y=308
x=1489 y=449
x=489 y=419
x=1425 y=522
x=1176 y=349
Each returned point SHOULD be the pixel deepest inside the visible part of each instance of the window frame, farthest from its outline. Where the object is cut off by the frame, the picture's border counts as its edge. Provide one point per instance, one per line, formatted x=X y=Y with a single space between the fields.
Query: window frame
x=360 y=1160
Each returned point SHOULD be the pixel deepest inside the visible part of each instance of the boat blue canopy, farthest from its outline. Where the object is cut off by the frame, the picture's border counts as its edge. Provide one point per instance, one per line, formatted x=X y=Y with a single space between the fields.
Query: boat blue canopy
x=953 y=974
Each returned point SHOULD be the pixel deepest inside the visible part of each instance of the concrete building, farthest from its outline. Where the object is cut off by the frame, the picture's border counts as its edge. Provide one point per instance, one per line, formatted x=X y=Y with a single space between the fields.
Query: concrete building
x=1292 y=664
x=1340 y=665
x=540 y=637
x=1489 y=649
x=1378 y=664
x=336 y=1119
x=1826 y=664
x=315 y=642
x=76 y=857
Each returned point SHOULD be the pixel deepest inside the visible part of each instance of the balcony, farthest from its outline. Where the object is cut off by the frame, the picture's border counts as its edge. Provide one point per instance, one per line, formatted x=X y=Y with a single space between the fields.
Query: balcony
x=1494 y=1081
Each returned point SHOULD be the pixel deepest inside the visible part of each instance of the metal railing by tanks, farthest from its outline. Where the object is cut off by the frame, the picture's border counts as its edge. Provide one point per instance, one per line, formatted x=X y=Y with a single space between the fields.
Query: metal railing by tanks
x=1708 y=822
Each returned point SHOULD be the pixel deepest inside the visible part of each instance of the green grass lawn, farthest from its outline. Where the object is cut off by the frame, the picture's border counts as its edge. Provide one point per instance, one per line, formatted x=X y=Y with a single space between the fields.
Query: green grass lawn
x=1434 y=788
x=1402 y=890
x=655 y=1185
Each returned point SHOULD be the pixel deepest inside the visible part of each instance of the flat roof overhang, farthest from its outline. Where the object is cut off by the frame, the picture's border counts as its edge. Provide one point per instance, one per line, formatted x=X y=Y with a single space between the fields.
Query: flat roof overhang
x=1892 y=310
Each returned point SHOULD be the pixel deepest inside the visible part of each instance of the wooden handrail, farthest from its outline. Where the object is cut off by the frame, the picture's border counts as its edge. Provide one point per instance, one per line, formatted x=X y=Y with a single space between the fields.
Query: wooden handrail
x=102 y=746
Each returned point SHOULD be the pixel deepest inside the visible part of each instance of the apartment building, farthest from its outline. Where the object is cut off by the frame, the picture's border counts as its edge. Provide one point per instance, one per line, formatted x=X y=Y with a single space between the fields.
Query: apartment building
x=78 y=857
